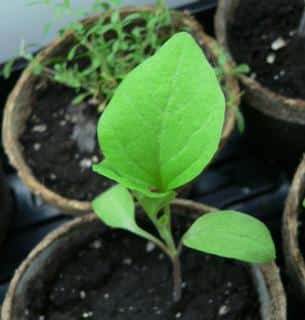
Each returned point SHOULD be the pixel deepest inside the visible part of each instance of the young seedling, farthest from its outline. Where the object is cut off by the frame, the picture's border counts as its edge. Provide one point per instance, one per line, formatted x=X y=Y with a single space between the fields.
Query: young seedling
x=102 y=52
x=222 y=61
x=159 y=131
x=222 y=71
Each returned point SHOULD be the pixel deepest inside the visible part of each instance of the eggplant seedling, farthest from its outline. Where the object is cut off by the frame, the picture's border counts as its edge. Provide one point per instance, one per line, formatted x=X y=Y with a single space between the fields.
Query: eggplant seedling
x=160 y=129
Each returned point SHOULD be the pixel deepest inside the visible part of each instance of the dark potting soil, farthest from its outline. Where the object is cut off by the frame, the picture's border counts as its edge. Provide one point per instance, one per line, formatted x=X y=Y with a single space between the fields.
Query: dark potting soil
x=50 y=143
x=259 y=25
x=119 y=276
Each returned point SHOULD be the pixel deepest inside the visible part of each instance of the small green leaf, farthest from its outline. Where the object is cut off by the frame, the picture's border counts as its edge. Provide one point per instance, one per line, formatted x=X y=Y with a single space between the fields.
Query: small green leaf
x=36 y=68
x=164 y=122
x=240 y=69
x=7 y=68
x=240 y=121
x=233 y=235
x=303 y=203
x=115 y=17
x=116 y=208
x=80 y=98
x=72 y=52
x=153 y=205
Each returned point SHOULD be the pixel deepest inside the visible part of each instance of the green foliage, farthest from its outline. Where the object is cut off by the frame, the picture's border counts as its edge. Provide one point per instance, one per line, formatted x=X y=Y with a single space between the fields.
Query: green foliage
x=117 y=199
x=7 y=69
x=104 y=51
x=159 y=131
x=240 y=121
x=170 y=126
x=231 y=234
x=222 y=69
x=153 y=205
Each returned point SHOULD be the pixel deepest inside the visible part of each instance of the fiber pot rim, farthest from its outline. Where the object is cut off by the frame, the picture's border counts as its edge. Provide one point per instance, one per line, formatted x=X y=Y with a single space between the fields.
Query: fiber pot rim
x=294 y=259
x=283 y=108
x=14 y=110
x=270 y=290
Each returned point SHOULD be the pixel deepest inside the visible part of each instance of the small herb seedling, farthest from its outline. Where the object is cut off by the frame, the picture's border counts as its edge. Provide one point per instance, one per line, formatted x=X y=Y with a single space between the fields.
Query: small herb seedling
x=222 y=71
x=102 y=52
x=161 y=128
x=221 y=68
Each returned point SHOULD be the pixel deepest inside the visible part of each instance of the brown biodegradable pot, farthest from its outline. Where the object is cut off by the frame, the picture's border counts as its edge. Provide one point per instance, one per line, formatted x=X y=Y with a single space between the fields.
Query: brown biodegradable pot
x=292 y=229
x=276 y=122
x=18 y=109
x=35 y=277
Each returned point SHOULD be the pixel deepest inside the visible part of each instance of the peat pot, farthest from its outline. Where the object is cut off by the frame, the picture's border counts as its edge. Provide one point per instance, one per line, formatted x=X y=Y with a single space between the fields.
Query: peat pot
x=37 y=133
x=274 y=120
x=83 y=269
x=293 y=231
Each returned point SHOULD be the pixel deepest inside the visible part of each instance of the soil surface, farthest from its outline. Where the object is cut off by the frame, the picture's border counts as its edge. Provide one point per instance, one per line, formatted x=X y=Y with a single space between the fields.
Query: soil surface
x=50 y=143
x=263 y=35
x=119 y=276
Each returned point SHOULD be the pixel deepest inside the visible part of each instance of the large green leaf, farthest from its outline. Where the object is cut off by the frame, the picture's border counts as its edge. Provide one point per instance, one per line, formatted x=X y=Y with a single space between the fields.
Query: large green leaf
x=233 y=235
x=116 y=208
x=164 y=122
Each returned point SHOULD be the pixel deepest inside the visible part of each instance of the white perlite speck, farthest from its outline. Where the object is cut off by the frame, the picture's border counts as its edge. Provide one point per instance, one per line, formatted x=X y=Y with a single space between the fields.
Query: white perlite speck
x=271 y=58
x=278 y=44
x=85 y=163
x=223 y=310
x=82 y=294
x=96 y=244
x=88 y=314
x=150 y=246
x=178 y=315
x=40 y=128
x=53 y=176
x=36 y=146
x=127 y=261
x=94 y=159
